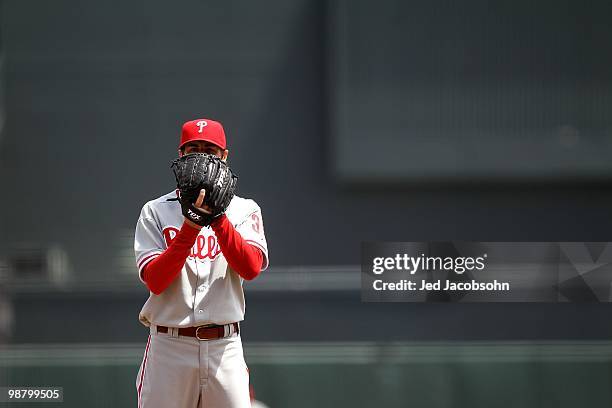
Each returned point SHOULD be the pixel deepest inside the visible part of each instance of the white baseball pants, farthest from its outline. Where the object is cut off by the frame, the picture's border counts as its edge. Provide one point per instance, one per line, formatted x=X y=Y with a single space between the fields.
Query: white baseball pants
x=185 y=372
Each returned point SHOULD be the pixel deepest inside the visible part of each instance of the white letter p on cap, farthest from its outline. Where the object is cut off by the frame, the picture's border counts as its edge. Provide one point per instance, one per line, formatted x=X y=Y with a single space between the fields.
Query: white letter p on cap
x=201 y=124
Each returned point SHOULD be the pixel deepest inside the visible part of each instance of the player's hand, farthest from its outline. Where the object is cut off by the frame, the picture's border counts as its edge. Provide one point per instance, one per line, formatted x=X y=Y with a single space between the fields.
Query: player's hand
x=200 y=206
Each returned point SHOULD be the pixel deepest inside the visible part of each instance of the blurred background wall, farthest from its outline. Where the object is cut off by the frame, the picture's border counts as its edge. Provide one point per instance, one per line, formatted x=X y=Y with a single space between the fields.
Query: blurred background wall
x=346 y=122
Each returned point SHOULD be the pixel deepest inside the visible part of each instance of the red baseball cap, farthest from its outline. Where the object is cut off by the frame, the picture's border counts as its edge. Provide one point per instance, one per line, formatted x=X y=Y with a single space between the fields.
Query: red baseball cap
x=203 y=129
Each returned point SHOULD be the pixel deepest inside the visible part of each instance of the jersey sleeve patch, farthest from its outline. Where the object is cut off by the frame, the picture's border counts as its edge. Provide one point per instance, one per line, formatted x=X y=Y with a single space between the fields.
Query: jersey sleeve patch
x=252 y=231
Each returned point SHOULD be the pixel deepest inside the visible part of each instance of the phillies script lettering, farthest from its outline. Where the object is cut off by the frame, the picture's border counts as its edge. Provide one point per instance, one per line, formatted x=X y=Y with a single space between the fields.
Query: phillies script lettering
x=205 y=247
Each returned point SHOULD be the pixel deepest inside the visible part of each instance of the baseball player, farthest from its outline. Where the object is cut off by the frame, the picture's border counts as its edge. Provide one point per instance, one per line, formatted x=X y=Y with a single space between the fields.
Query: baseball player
x=193 y=357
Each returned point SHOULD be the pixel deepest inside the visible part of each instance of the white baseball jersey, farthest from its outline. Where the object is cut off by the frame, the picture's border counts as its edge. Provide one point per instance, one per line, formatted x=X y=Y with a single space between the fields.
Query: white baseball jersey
x=207 y=290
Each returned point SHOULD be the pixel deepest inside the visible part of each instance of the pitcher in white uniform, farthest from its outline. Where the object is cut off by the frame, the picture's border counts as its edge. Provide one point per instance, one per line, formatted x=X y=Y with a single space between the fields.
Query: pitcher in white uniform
x=194 y=357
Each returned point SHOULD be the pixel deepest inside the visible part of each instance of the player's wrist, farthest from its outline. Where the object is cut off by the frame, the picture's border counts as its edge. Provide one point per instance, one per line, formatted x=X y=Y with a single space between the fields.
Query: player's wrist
x=190 y=224
x=218 y=221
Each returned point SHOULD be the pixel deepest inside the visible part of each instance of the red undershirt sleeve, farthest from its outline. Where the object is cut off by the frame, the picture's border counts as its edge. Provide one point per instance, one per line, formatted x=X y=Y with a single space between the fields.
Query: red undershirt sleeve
x=242 y=257
x=163 y=270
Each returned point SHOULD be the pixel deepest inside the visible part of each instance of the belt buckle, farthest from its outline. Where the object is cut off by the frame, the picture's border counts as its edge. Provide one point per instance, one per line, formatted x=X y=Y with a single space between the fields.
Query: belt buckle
x=198 y=330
